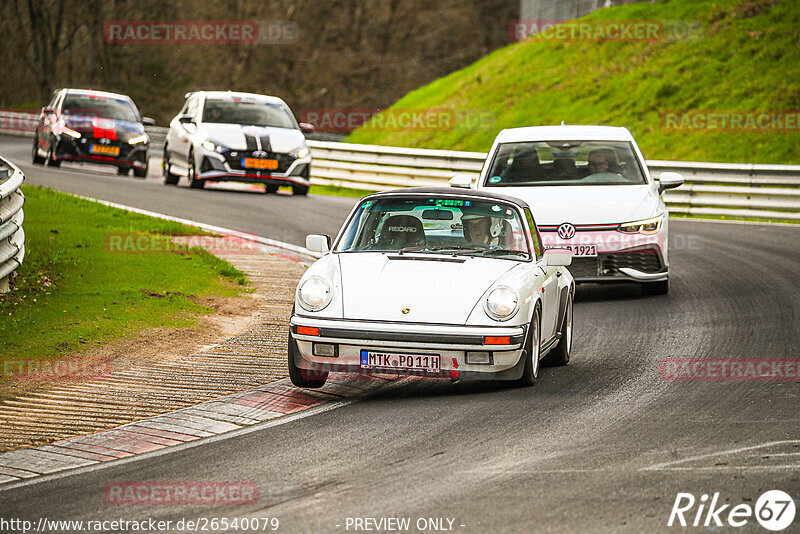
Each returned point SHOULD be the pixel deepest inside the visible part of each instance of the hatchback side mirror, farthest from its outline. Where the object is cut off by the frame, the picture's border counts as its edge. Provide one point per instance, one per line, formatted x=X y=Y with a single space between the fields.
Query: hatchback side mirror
x=318 y=243
x=669 y=180
x=147 y=121
x=48 y=111
x=185 y=119
x=307 y=127
x=557 y=257
x=464 y=181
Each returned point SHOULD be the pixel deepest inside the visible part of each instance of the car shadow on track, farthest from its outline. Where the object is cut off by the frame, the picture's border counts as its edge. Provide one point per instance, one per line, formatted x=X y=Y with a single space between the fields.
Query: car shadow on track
x=616 y=292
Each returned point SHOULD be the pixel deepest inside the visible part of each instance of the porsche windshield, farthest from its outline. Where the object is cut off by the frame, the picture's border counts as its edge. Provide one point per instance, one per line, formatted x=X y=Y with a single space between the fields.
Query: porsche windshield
x=438 y=225
x=564 y=163
x=248 y=112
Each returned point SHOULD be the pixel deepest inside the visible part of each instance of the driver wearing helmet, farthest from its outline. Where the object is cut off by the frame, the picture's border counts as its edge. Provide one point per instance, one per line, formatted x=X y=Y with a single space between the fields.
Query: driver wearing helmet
x=483 y=230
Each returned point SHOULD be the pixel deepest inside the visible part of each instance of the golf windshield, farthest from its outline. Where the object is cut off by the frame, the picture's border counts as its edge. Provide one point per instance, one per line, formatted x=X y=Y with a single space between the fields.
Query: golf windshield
x=564 y=163
x=248 y=112
x=424 y=224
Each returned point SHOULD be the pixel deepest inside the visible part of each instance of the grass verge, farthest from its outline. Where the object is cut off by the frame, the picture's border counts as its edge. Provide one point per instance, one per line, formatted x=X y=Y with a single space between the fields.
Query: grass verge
x=72 y=293
x=742 y=56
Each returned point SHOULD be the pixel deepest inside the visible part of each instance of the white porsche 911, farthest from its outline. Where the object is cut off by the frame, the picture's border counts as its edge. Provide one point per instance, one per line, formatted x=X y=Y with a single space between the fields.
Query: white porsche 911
x=436 y=282
x=592 y=193
x=223 y=136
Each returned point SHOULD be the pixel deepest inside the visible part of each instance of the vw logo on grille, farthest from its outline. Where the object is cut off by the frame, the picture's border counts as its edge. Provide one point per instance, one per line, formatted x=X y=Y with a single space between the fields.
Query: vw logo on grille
x=105 y=141
x=566 y=231
x=259 y=154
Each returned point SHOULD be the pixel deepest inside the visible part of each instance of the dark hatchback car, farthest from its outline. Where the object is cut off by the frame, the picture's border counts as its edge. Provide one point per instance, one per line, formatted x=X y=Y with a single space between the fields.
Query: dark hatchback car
x=95 y=127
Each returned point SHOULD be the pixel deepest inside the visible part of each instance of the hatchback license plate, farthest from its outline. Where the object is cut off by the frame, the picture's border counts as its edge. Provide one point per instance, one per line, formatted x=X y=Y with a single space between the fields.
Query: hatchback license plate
x=391 y=360
x=580 y=251
x=105 y=150
x=256 y=163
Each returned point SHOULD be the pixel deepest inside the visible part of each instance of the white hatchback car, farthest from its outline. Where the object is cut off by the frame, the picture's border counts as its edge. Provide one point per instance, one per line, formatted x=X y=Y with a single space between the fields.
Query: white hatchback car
x=592 y=193
x=435 y=282
x=224 y=136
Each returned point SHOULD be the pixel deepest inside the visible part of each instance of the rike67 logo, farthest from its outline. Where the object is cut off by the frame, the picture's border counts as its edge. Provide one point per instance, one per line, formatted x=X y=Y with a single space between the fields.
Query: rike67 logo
x=774 y=510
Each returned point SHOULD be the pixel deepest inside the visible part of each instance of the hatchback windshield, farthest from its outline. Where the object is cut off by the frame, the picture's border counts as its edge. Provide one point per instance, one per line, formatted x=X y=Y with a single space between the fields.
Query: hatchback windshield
x=564 y=163
x=247 y=112
x=437 y=225
x=99 y=106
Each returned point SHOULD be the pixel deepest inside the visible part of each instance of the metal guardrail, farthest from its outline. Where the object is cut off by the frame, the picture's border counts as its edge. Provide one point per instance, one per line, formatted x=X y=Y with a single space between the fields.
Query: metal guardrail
x=711 y=189
x=12 y=236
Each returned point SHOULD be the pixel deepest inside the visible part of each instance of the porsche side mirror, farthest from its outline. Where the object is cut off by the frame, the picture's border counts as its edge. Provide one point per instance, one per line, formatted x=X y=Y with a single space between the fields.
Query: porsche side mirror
x=318 y=243
x=307 y=127
x=557 y=257
x=464 y=181
x=669 y=180
x=147 y=121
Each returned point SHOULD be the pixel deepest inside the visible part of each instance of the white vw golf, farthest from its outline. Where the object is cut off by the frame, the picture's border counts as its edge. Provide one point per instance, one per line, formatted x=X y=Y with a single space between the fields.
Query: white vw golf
x=592 y=193
x=436 y=282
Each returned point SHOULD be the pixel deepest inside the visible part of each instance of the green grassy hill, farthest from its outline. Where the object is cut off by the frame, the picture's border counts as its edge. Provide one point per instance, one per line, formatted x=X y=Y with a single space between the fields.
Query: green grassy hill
x=744 y=55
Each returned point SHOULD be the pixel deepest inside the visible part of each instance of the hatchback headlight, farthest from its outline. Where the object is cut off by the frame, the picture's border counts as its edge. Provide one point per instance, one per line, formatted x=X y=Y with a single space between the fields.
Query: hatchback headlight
x=501 y=303
x=301 y=152
x=314 y=293
x=647 y=226
x=212 y=146
x=138 y=139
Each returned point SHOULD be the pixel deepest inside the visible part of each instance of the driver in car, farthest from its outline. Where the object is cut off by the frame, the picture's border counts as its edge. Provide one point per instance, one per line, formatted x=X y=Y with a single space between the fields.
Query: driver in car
x=482 y=230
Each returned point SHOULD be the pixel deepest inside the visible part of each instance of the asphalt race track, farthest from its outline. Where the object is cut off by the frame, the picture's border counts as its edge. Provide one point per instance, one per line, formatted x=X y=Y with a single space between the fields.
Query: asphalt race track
x=604 y=444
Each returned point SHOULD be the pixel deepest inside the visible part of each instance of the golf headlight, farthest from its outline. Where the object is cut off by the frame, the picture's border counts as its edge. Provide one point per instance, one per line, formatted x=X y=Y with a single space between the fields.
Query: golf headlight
x=208 y=145
x=138 y=139
x=501 y=303
x=314 y=293
x=647 y=226
x=302 y=152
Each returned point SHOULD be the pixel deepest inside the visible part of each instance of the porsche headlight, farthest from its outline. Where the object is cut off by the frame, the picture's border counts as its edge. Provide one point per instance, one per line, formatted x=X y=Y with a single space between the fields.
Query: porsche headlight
x=301 y=152
x=647 y=226
x=501 y=303
x=138 y=139
x=314 y=293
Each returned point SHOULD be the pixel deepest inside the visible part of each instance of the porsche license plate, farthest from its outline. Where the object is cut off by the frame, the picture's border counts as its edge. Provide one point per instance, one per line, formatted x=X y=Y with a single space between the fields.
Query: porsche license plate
x=580 y=251
x=105 y=150
x=371 y=359
x=257 y=163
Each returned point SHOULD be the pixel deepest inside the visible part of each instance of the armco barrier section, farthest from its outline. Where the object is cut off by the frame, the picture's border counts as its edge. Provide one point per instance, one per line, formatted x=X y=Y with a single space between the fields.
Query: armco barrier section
x=711 y=189
x=12 y=236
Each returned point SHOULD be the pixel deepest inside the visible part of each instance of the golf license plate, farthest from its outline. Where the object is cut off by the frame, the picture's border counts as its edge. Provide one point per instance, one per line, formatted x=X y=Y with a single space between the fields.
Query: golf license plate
x=392 y=360
x=257 y=163
x=580 y=251
x=105 y=150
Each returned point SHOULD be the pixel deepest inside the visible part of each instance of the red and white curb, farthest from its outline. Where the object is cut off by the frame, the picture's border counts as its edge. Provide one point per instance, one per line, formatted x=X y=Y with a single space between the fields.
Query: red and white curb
x=247 y=410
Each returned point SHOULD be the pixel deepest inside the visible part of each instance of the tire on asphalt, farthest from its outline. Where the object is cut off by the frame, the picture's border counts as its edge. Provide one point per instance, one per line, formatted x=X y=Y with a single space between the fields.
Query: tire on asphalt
x=122 y=170
x=140 y=173
x=300 y=190
x=35 y=157
x=166 y=169
x=270 y=188
x=194 y=182
x=559 y=355
x=303 y=378
x=531 y=370
x=50 y=160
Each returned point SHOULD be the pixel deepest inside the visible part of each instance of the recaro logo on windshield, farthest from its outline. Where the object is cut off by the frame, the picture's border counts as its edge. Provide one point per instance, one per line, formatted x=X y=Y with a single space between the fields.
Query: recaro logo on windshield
x=566 y=231
x=402 y=229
